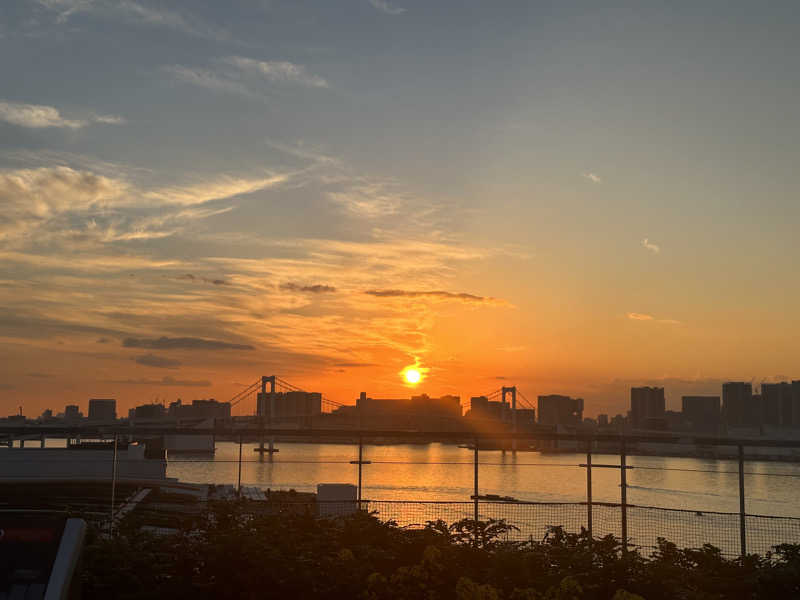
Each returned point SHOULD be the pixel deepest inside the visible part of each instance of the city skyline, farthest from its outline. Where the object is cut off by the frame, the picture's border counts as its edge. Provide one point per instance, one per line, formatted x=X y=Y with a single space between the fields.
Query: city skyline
x=573 y=199
x=735 y=404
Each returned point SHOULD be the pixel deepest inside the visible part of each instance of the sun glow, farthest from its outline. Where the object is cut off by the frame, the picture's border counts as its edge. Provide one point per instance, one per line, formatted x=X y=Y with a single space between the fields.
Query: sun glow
x=412 y=376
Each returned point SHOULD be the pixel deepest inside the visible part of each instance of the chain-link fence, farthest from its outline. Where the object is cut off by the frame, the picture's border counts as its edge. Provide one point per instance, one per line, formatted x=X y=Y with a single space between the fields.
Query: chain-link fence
x=690 y=529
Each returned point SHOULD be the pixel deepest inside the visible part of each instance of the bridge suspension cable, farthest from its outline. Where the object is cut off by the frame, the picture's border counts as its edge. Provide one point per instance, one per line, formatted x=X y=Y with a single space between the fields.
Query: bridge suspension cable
x=250 y=389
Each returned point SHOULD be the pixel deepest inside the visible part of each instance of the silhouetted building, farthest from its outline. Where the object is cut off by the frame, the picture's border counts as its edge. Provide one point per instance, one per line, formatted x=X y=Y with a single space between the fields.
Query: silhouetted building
x=102 y=409
x=796 y=403
x=602 y=420
x=290 y=405
x=484 y=409
x=560 y=410
x=149 y=412
x=738 y=408
x=417 y=412
x=672 y=421
x=493 y=413
x=199 y=409
x=72 y=413
x=701 y=413
x=526 y=418
x=647 y=408
x=777 y=404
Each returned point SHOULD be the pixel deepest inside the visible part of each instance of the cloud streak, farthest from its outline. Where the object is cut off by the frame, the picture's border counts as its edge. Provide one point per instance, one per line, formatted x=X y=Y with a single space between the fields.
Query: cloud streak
x=220 y=188
x=639 y=317
x=436 y=295
x=39 y=116
x=164 y=381
x=78 y=207
x=160 y=362
x=314 y=289
x=648 y=245
x=134 y=12
x=246 y=76
x=190 y=277
x=207 y=79
x=385 y=7
x=594 y=178
x=182 y=343
x=277 y=71
x=645 y=317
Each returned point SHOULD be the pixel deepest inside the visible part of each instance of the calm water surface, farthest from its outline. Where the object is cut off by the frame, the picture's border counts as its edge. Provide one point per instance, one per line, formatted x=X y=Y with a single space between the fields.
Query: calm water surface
x=445 y=472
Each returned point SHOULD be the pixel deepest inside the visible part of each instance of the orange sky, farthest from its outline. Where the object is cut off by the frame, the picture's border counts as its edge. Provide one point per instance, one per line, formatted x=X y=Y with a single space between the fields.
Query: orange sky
x=572 y=199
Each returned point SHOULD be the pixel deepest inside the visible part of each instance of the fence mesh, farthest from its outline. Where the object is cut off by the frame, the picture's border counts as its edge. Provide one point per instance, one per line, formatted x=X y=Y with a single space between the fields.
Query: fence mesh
x=689 y=529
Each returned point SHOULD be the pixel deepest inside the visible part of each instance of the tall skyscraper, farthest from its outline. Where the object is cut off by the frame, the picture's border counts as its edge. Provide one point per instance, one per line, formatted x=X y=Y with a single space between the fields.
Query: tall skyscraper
x=701 y=413
x=781 y=404
x=102 y=409
x=796 y=403
x=647 y=407
x=560 y=410
x=738 y=408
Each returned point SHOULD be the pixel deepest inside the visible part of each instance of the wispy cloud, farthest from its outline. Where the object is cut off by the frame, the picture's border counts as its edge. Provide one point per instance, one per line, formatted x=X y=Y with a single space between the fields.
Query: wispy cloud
x=369 y=199
x=384 y=6
x=34 y=197
x=639 y=316
x=593 y=177
x=191 y=277
x=277 y=70
x=83 y=207
x=207 y=79
x=654 y=248
x=109 y=119
x=138 y=12
x=645 y=317
x=40 y=116
x=183 y=343
x=161 y=362
x=164 y=381
x=246 y=76
x=314 y=289
x=219 y=188
x=437 y=295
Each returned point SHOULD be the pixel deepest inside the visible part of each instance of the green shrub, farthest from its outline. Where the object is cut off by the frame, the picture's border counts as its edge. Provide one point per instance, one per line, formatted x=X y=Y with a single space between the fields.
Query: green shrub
x=229 y=553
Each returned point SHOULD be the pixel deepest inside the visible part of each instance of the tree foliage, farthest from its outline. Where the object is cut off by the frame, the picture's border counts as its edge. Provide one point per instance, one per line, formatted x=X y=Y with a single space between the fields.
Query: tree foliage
x=229 y=553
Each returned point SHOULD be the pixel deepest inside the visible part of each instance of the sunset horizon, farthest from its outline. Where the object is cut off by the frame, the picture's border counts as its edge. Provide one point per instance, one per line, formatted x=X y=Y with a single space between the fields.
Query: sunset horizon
x=569 y=199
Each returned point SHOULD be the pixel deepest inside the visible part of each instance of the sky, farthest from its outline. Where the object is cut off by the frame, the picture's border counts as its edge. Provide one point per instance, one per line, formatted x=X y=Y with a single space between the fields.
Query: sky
x=565 y=196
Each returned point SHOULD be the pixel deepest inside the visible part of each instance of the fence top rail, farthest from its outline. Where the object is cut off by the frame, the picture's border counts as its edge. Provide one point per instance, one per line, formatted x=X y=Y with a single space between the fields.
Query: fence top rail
x=252 y=432
x=88 y=506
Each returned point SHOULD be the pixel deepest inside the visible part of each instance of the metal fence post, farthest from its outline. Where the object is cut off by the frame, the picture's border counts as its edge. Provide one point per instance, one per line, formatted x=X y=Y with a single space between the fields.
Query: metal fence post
x=239 y=487
x=360 y=463
x=113 y=485
x=475 y=495
x=742 y=517
x=623 y=471
x=589 y=489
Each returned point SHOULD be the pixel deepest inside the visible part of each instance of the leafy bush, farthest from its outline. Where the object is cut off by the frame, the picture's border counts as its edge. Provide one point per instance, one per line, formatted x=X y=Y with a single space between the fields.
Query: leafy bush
x=230 y=553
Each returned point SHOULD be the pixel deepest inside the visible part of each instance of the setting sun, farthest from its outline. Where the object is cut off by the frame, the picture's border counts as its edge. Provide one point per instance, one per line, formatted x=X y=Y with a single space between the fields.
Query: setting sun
x=413 y=376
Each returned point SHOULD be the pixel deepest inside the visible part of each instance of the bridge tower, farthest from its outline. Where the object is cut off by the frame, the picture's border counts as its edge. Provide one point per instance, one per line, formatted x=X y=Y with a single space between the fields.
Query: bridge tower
x=265 y=408
x=513 y=391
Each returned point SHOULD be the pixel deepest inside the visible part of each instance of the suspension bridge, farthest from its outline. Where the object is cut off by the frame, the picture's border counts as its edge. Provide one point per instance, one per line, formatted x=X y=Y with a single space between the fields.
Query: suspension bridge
x=275 y=403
